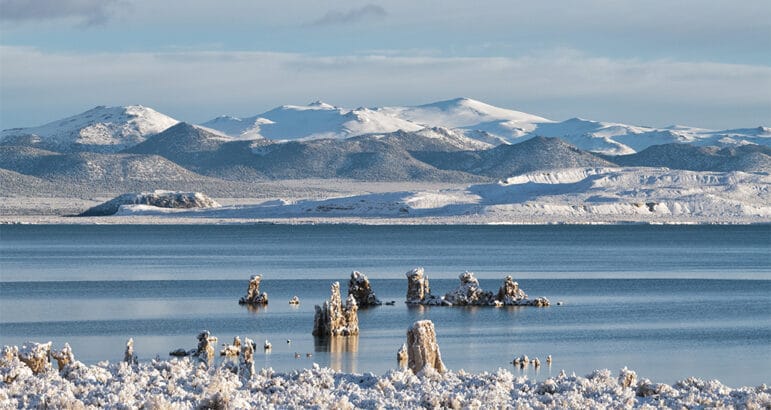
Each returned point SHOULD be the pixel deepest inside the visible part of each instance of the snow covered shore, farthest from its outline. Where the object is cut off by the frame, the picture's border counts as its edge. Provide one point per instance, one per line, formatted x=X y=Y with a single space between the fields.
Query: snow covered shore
x=566 y=196
x=572 y=196
x=186 y=383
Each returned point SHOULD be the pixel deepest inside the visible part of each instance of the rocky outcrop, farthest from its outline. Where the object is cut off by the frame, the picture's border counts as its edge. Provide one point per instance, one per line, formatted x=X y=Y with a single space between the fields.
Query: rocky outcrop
x=335 y=319
x=63 y=357
x=36 y=356
x=537 y=302
x=253 y=296
x=419 y=290
x=246 y=364
x=160 y=199
x=205 y=350
x=361 y=290
x=128 y=354
x=422 y=349
x=11 y=368
x=181 y=352
x=10 y=353
x=509 y=292
x=468 y=293
x=627 y=378
x=402 y=356
x=646 y=388
x=231 y=350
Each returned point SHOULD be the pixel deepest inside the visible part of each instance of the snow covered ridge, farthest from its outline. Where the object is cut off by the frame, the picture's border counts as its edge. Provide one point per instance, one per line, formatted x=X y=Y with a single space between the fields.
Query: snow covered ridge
x=476 y=120
x=315 y=120
x=111 y=129
x=186 y=383
x=603 y=195
x=156 y=199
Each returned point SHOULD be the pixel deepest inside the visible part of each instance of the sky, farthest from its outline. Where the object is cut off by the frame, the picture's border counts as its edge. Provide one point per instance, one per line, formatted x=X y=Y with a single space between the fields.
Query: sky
x=655 y=62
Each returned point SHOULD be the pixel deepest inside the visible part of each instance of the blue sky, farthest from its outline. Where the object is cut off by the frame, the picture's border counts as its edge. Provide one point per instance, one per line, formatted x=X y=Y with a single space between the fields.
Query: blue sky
x=700 y=63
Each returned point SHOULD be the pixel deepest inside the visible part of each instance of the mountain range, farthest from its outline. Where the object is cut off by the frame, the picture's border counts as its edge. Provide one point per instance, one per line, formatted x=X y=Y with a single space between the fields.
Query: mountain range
x=459 y=140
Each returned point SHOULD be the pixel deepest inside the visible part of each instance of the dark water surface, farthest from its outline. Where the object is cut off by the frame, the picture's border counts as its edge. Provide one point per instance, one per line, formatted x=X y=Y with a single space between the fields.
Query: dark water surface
x=667 y=301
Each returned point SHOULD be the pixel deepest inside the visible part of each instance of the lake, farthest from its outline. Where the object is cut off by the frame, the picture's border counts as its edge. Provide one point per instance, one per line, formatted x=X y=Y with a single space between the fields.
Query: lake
x=668 y=301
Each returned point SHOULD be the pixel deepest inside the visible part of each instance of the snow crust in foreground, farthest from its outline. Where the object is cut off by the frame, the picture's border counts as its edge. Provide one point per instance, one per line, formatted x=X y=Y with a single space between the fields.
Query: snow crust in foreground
x=185 y=383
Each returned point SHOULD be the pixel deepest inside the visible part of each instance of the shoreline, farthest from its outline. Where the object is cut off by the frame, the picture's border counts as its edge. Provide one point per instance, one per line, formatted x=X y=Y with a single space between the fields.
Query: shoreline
x=187 y=383
x=354 y=221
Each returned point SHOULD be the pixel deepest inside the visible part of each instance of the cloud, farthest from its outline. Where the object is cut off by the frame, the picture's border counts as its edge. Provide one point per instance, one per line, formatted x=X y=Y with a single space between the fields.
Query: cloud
x=88 y=12
x=369 y=11
x=37 y=86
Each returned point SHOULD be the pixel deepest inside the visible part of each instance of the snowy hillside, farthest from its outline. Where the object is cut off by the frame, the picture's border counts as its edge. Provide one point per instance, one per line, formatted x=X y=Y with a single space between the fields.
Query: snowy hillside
x=468 y=114
x=100 y=129
x=462 y=121
x=621 y=139
x=747 y=158
x=570 y=195
x=315 y=120
x=476 y=120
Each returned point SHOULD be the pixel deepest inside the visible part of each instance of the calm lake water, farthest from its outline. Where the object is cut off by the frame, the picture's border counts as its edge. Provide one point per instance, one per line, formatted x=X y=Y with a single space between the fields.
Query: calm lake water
x=667 y=301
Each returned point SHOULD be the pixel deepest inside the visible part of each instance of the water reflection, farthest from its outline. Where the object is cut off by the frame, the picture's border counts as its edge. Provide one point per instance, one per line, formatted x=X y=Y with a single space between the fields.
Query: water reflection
x=343 y=351
x=419 y=309
x=255 y=309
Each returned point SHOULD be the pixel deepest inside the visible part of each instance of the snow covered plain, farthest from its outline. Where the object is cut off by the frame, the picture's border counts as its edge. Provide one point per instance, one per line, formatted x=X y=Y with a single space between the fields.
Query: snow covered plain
x=186 y=383
x=581 y=195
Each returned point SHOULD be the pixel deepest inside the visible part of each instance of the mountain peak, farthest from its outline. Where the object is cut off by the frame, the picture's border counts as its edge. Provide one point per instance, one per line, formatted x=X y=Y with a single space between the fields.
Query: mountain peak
x=102 y=129
x=321 y=104
x=452 y=103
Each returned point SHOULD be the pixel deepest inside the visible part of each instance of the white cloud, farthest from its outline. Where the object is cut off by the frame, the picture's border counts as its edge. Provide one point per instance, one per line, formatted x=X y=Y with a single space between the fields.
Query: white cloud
x=36 y=86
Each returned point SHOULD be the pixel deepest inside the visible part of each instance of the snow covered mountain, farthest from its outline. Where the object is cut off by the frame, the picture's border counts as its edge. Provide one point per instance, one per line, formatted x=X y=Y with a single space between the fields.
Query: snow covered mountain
x=462 y=121
x=468 y=114
x=476 y=120
x=454 y=141
x=312 y=121
x=100 y=129
x=621 y=139
x=505 y=160
x=747 y=158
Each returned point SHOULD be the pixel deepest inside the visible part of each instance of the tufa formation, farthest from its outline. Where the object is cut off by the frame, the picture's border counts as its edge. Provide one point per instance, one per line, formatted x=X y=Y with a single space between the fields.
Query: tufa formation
x=422 y=350
x=335 y=319
x=361 y=290
x=253 y=296
x=468 y=293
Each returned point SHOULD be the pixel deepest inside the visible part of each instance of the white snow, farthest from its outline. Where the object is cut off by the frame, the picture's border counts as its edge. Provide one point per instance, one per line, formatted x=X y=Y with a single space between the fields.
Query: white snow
x=580 y=195
x=111 y=128
x=466 y=113
x=312 y=121
x=460 y=139
x=185 y=383
x=476 y=120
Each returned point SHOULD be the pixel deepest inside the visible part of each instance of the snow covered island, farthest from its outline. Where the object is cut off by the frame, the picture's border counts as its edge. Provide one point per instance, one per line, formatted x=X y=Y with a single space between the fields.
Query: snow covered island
x=189 y=383
x=155 y=199
x=468 y=293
